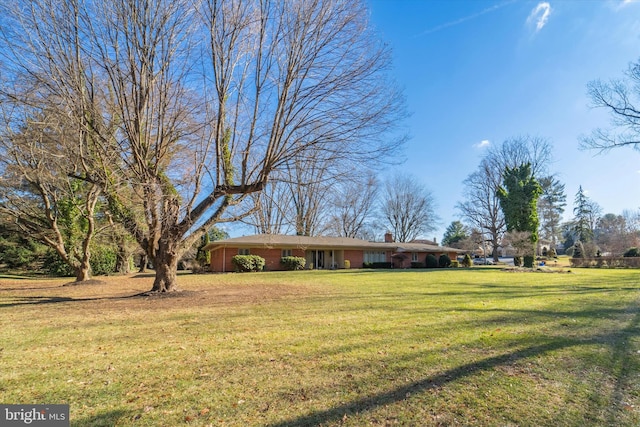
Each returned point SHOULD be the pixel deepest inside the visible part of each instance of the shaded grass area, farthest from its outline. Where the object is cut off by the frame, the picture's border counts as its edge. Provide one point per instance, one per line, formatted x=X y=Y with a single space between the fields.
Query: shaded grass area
x=442 y=347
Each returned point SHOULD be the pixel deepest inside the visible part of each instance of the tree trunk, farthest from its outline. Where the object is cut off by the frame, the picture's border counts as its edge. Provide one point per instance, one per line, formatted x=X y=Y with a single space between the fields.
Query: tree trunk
x=495 y=243
x=83 y=272
x=166 y=265
x=144 y=259
x=123 y=265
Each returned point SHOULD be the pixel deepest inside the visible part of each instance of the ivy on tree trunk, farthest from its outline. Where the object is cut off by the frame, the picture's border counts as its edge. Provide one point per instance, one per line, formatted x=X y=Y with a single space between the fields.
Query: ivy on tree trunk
x=519 y=199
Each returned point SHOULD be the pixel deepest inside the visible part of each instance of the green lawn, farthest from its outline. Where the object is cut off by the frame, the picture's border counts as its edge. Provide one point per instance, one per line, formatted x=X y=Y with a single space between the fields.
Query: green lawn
x=474 y=346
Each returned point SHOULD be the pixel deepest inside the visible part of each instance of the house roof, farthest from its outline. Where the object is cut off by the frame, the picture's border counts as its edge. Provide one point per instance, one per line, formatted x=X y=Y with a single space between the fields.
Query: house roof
x=321 y=242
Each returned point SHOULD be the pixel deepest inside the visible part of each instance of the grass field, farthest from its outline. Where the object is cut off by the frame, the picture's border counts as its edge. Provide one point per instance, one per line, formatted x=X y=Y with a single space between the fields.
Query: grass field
x=474 y=346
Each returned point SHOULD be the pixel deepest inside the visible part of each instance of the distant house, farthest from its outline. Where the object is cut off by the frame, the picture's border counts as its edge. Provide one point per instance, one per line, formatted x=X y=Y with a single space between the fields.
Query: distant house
x=322 y=252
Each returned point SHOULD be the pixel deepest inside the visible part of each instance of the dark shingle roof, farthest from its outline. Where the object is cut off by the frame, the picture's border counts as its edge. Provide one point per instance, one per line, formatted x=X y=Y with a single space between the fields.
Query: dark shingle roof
x=322 y=242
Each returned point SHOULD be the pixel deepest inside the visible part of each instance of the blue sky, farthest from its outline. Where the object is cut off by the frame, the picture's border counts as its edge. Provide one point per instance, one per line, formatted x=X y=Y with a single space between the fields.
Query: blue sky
x=478 y=72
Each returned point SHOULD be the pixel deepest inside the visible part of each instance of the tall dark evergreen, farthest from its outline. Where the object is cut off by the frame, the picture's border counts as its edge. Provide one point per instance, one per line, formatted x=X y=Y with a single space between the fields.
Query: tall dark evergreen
x=550 y=208
x=582 y=212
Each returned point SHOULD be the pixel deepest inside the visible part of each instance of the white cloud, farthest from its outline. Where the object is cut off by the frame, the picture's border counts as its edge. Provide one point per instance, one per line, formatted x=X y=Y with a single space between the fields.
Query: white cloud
x=482 y=144
x=540 y=15
x=467 y=18
x=624 y=3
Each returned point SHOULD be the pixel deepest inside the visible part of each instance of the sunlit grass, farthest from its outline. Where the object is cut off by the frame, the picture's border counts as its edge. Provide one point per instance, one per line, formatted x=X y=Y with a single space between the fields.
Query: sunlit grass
x=468 y=347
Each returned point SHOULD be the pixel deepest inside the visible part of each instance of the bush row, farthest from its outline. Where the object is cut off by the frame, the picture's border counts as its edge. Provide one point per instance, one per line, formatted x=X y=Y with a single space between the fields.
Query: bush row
x=436 y=262
x=376 y=265
x=606 y=262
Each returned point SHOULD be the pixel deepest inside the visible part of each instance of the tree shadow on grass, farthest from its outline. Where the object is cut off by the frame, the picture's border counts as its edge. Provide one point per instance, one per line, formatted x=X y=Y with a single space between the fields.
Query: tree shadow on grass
x=622 y=367
x=38 y=300
x=102 y=419
x=18 y=301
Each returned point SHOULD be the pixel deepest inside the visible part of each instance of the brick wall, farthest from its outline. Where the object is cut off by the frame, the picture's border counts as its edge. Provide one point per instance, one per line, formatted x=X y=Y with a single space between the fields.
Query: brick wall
x=221 y=261
x=355 y=257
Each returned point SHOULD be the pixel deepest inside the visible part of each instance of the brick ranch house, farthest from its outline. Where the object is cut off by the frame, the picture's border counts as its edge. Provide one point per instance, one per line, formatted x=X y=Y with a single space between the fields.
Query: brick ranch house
x=322 y=252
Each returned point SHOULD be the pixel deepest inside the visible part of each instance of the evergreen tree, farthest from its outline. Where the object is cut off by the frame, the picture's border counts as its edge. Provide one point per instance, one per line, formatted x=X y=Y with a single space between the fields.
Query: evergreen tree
x=455 y=232
x=585 y=214
x=551 y=207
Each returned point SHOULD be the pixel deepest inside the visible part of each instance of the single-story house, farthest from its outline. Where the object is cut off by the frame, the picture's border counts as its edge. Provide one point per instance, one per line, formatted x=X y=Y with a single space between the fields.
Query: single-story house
x=322 y=252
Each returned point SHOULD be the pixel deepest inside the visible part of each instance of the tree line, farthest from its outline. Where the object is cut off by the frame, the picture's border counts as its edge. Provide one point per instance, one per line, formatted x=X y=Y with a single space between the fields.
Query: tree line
x=490 y=216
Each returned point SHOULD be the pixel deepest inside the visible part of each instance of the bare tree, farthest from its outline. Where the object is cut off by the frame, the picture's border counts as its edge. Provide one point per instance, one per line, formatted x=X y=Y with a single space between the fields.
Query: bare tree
x=520 y=241
x=621 y=98
x=611 y=234
x=407 y=207
x=309 y=187
x=186 y=129
x=353 y=206
x=521 y=150
x=481 y=207
x=632 y=222
x=272 y=205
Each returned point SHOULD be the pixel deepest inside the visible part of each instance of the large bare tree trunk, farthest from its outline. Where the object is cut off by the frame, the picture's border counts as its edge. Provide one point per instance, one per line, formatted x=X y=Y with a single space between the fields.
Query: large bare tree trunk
x=83 y=272
x=166 y=265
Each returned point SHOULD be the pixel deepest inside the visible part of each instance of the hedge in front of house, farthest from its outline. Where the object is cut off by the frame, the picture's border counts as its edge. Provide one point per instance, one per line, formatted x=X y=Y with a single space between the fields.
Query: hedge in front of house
x=431 y=261
x=293 y=262
x=246 y=263
x=444 y=261
x=376 y=265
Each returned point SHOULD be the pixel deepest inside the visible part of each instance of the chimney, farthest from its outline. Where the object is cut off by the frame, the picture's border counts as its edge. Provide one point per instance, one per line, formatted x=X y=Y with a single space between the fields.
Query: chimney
x=388 y=237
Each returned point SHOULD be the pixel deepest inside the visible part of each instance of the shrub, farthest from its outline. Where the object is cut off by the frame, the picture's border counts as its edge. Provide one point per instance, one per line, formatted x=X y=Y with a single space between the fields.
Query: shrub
x=578 y=250
x=431 y=261
x=347 y=263
x=455 y=263
x=416 y=264
x=632 y=252
x=517 y=260
x=466 y=261
x=102 y=261
x=444 y=261
x=15 y=255
x=293 y=262
x=55 y=266
x=528 y=261
x=551 y=253
x=376 y=265
x=246 y=263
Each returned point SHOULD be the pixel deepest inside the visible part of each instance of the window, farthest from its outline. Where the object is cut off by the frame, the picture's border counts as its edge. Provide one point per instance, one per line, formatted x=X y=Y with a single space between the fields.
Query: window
x=375 y=256
x=243 y=251
x=286 y=252
x=414 y=257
